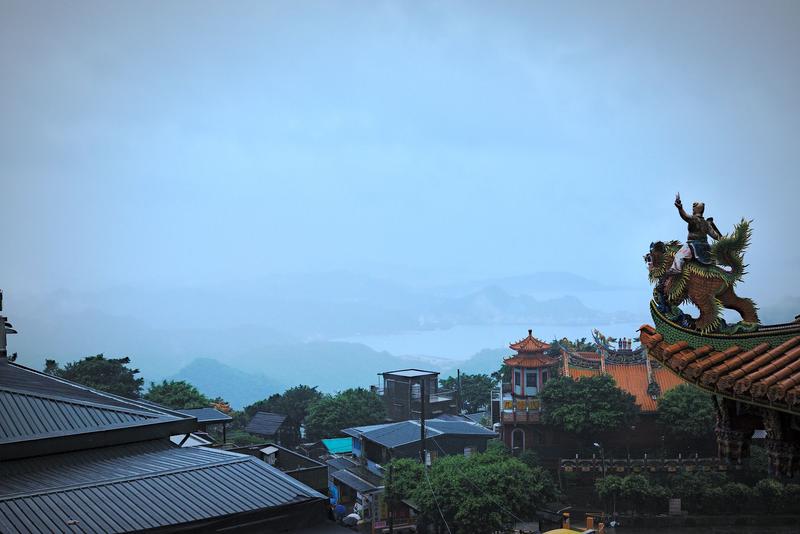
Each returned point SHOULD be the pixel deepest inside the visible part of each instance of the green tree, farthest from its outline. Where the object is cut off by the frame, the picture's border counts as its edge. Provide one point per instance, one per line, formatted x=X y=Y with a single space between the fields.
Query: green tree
x=578 y=345
x=475 y=390
x=351 y=407
x=176 y=394
x=588 y=405
x=483 y=493
x=687 y=413
x=105 y=374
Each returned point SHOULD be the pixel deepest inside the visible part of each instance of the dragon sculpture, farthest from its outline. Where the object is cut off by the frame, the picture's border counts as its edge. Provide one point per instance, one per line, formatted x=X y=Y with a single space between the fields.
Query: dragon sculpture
x=707 y=286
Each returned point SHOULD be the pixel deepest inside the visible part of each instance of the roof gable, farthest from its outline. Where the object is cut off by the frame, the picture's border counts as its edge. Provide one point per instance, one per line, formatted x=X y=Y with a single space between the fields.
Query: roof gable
x=265 y=423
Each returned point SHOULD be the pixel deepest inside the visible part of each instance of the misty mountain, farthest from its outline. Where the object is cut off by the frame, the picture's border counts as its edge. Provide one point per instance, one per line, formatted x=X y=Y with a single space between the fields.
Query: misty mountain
x=783 y=311
x=493 y=305
x=216 y=379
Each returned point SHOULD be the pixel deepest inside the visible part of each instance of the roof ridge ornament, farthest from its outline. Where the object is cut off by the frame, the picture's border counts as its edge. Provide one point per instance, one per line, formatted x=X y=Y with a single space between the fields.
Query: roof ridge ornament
x=702 y=274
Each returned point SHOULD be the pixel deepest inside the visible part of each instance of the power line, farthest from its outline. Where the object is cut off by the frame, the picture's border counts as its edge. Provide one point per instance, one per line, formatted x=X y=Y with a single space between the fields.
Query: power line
x=435 y=500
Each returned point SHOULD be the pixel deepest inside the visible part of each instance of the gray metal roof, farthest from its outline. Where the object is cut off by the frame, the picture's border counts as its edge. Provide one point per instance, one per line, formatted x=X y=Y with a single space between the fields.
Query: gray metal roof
x=350 y=479
x=207 y=415
x=138 y=486
x=411 y=373
x=43 y=414
x=265 y=423
x=36 y=415
x=404 y=432
x=340 y=463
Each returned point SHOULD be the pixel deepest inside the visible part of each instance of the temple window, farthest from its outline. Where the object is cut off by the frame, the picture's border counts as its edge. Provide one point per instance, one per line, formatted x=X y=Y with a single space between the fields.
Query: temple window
x=517 y=382
x=531 y=381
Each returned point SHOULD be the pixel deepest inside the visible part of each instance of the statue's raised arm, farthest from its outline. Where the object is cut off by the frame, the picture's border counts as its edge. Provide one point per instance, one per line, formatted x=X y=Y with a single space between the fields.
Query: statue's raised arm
x=681 y=211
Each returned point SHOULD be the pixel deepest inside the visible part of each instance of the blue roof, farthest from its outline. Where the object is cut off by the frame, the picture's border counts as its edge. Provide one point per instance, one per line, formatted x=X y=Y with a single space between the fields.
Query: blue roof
x=338 y=445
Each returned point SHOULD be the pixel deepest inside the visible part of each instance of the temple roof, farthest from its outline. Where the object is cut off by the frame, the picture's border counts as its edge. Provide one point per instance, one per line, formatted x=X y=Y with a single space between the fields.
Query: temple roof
x=539 y=360
x=757 y=368
x=529 y=344
x=633 y=379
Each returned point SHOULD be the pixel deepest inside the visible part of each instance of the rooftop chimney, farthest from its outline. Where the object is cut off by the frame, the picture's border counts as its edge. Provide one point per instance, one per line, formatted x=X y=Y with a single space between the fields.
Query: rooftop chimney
x=5 y=328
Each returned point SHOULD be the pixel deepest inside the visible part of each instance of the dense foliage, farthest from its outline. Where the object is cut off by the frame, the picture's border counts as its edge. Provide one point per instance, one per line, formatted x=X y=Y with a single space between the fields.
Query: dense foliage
x=106 y=374
x=351 y=407
x=588 y=405
x=475 y=390
x=700 y=493
x=477 y=494
x=176 y=394
x=687 y=413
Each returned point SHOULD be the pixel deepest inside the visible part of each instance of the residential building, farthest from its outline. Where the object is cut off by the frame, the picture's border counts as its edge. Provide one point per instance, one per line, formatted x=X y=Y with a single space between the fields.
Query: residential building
x=357 y=482
x=401 y=392
x=272 y=426
x=75 y=459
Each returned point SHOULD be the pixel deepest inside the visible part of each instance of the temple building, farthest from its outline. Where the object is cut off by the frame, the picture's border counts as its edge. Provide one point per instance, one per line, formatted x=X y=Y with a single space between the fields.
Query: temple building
x=755 y=379
x=536 y=362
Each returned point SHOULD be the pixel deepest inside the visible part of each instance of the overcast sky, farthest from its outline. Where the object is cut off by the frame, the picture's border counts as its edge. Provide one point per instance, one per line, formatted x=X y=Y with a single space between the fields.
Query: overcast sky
x=198 y=143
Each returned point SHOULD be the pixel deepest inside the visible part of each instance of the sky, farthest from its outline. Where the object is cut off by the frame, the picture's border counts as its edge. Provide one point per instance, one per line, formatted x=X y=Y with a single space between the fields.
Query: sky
x=202 y=143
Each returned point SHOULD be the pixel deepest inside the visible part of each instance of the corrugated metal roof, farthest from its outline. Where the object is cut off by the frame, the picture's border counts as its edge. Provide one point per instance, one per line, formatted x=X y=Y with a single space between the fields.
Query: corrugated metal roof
x=27 y=415
x=411 y=373
x=350 y=479
x=207 y=415
x=265 y=423
x=403 y=432
x=338 y=445
x=136 y=487
x=20 y=378
x=340 y=463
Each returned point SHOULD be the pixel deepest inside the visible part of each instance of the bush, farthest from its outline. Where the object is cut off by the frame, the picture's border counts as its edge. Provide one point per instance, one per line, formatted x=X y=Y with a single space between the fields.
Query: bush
x=769 y=493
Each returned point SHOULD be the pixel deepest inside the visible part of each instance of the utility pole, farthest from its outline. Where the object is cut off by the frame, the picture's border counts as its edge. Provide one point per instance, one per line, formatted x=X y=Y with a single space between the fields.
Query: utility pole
x=422 y=421
x=458 y=391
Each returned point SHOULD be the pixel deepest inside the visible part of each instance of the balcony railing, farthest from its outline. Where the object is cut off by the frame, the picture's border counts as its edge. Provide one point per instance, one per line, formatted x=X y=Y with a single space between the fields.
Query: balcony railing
x=516 y=416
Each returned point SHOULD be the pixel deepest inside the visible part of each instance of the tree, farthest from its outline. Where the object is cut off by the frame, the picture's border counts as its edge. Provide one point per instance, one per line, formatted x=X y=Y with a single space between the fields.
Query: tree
x=294 y=403
x=687 y=413
x=483 y=493
x=578 y=345
x=176 y=394
x=475 y=390
x=588 y=405
x=351 y=407
x=105 y=374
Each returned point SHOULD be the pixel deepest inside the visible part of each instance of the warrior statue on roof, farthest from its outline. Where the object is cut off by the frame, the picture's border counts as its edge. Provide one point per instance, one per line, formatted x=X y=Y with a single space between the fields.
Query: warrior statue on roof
x=696 y=245
x=701 y=273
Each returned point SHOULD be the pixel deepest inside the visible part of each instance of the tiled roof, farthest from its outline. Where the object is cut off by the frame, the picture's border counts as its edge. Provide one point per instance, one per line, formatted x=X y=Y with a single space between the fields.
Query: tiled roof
x=764 y=372
x=265 y=423
x=539 y=360
x=633 y=379
x=529 y=344
x=138 y=487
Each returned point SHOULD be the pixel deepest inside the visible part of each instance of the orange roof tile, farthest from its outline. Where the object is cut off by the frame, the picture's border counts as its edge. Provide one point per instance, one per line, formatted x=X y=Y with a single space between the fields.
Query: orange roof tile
x=529 y=344
x=633 y=379
x=579 y=372
x=531 y=361
x=766 y=371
